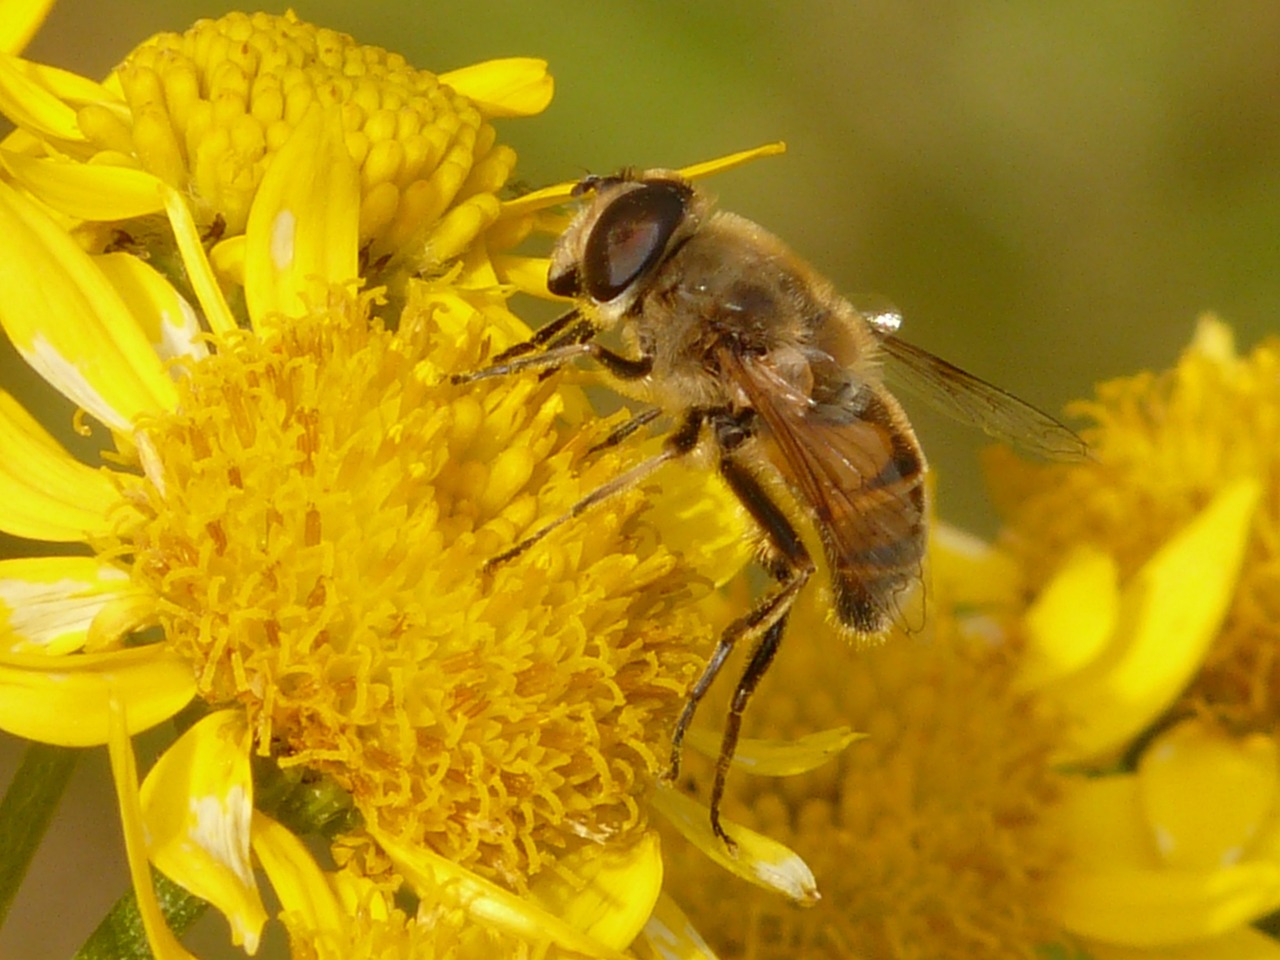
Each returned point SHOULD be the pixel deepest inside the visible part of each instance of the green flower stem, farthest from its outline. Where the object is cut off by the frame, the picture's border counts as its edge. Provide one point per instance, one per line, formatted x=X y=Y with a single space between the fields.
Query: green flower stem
x=26 y=810
x=120 y=935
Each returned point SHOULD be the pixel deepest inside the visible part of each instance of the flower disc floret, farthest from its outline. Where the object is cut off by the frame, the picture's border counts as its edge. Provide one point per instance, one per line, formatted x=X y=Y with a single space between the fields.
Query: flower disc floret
x=318 y=516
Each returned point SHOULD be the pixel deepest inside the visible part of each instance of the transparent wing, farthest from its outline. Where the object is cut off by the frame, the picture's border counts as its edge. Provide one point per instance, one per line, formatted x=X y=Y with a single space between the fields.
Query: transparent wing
x=966 y=398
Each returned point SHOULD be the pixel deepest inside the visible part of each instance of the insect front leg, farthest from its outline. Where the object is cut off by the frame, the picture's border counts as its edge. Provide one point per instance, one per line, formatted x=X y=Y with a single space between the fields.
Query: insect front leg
x=679 y=443
x=792 y=567
x=563 y=339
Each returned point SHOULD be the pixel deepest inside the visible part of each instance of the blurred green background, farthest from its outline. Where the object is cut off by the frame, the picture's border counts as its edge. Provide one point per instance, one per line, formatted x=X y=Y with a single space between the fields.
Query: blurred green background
x=1050 y=192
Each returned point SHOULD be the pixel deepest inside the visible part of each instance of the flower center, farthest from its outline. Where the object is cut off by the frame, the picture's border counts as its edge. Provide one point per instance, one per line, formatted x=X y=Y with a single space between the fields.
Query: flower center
x=320 y=512
x=209 y=108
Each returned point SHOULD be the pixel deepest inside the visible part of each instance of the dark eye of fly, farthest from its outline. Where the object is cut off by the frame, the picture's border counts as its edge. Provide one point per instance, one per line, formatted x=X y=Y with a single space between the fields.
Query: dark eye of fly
x=630 y=237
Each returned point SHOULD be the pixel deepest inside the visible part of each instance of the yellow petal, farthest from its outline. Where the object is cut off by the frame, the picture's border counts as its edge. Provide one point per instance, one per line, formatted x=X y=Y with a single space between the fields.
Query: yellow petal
x=302 y=233
x=295 y=876
x=167 y=320
x=721 y=164
x=670 y=936
x=778 y=758
x=974 y=573
x=124 y=772
x=1117 y=889
x=46 y=494
x=486 y=903
x=30 y=106
x=1207 y=795
x=757 y=859
x=606 y=892
x=69 y=323
x=199 y=272
x=1073 y=618
x=197 y=805
x=512 y=87
x=1245 y=943
x=48 y=603
x=1169 y=615
x=559 y=193
x=19 y=20
x=526 y=274
x=64 y=701
x=87 y=191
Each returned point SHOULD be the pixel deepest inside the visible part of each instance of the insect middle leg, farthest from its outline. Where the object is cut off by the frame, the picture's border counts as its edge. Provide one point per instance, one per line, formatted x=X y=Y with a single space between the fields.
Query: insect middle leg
x=792 y=567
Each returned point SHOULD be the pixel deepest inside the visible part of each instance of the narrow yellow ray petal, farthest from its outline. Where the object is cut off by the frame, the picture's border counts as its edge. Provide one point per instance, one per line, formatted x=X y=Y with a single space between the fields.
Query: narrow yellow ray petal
x=526 y=274
x=606 y=892
x=64 y=700
x=69 y=323
x=85 y=190
x=670 y=936
x=721 y=164
x=486 y=902
x=167 y=320
x=295 y=876
x=1245 y=943
x=559 y=193
x=30 y=106
x=19 y=20
x=303 y=229
x=197 y=804
x=74 y=88
x=510 y=87
x=45 y=493
x=778 y=758
x=203 y=282
x=48 y=603
x=124 y=771
x=1169 y=614
x=1072 y=619
x=758 y=859
x=1208 y=795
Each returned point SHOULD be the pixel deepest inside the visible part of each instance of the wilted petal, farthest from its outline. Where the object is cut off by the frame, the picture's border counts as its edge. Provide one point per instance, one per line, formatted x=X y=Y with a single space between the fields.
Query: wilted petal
x=670 y=936
x=607 y=892
x=758 y=859
x=48 y=603
x=68 y=322
x=778 y=758
x=197 y=805
x=486 y=902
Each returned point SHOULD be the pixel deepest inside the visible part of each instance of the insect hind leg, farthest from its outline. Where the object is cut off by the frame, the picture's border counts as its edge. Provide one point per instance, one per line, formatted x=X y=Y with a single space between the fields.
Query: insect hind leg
x=792 y=567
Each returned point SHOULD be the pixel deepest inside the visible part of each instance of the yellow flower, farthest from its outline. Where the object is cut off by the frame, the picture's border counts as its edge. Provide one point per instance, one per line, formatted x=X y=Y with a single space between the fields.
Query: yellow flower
x=928 y=838
x=293 y=526
x=224 y=113
x=1010 y=795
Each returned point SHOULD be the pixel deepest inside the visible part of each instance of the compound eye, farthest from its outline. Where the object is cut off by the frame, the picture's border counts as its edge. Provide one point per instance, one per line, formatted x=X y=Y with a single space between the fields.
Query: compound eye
x=630 y=237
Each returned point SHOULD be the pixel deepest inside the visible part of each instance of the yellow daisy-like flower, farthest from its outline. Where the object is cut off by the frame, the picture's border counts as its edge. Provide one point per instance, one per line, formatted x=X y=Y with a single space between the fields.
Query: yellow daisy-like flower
x=1150 y=567
x=1009 y=799
x=294 y=524
x=226 y=109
